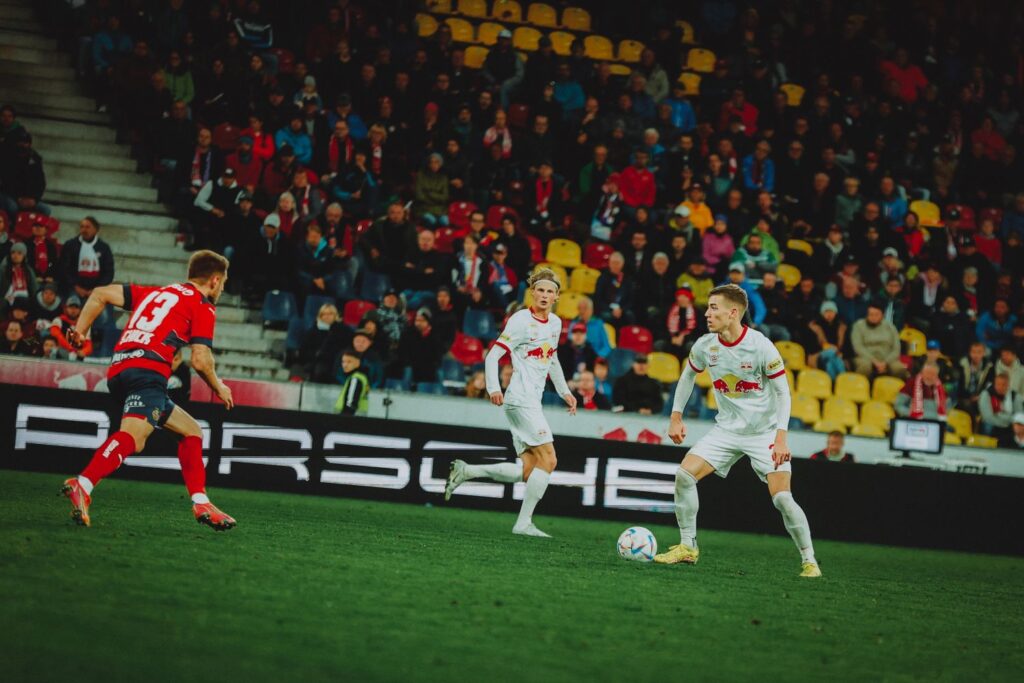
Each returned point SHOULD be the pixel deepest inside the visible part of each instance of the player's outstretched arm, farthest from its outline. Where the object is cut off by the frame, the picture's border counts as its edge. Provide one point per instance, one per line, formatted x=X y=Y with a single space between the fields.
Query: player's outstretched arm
x=676 y=428
x=491 y=373
x=784 y=403
x=202 y=363
x=94 y=305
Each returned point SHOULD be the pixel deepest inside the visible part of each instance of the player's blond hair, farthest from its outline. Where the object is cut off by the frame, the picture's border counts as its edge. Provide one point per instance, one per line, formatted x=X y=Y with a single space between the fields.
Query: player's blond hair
x=544 y=274
x=734 y=294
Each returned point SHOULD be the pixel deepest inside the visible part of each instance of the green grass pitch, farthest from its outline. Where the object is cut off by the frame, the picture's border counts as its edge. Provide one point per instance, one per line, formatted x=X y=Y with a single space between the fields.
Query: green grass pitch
x=310 y=589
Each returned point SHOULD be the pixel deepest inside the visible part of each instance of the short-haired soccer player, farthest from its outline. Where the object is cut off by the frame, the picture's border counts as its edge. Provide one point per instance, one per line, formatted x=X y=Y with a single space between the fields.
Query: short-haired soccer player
x=752 y=392
x=531 y=338
x=163 y=319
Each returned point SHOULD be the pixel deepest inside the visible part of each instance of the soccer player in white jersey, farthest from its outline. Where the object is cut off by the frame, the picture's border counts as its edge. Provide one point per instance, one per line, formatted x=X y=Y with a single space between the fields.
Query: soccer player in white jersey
x=531 y=337
x=752 y=392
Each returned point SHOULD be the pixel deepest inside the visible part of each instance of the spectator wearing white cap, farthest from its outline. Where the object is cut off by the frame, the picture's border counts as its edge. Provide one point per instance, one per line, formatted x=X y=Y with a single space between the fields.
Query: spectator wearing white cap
x=503 y=68
x=997 y=406
x=1018 y=430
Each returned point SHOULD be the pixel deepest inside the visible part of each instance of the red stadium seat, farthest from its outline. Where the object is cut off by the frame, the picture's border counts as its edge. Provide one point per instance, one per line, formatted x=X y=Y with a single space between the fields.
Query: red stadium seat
x=536 y=249
x=518 y=116
x=285 y=60
x=992 y=214
x=446 y=239
x=458 y=213
x=497 y=212
x=967 y=220
x=355 y=310
x=467 y=350
x=225 y=137
x=596 y=255
x=361 y=228
x=636 y=338
x=26 y=219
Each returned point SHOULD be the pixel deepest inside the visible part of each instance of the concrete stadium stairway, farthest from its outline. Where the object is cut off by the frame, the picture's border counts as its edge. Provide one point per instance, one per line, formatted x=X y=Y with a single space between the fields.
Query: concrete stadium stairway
x=89 y=173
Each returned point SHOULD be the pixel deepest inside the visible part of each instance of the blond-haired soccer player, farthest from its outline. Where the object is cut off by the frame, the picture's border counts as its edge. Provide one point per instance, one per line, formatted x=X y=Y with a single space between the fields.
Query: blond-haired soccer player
x=531 y=338
x=752 y=392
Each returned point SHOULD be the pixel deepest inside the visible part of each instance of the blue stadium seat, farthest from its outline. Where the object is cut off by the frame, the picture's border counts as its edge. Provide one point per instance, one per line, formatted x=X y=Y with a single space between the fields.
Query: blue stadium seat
x=312 y=307
x=296 y=331
x=480 y=324
x=374 y=286
x=452 y=371
x=430 y=388
x=395 y=384
x=550 y=398
x=278 y=307
x=619 y=362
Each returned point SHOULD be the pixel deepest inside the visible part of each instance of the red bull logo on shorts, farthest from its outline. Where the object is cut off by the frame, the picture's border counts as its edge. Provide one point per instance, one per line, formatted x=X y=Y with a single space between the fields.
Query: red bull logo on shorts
x=734 y=387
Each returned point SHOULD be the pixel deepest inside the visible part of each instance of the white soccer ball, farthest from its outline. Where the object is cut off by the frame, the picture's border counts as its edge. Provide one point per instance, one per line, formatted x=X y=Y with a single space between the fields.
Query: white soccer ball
x=638 y=544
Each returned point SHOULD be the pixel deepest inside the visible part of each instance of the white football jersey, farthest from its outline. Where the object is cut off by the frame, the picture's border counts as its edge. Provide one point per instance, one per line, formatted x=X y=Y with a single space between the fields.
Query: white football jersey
x=740 y=373
x=533 y=344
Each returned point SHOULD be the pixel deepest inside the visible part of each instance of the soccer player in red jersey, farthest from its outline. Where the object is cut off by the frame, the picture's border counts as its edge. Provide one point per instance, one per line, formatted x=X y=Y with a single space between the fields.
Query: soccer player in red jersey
x=163 y=320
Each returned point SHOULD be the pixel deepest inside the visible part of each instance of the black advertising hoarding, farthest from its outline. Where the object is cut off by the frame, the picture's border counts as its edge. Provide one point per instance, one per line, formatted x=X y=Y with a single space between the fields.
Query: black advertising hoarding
x=301 y=452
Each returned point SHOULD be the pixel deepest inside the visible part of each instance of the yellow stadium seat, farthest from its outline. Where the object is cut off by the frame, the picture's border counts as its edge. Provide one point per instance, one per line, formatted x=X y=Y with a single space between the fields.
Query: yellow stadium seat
x=794 y=94
x=564 y=252
x=703 y=380
x=663 y=367
x=871 y=431
x=928 y=213
x=687 y=36
x=487 y=33
x=951 y=439
x=598 y=47
x=885 y=389
x=620 y=70
x=541 y=14
x=475 y=56
x=961 y=422
x=915 y=340
x=576 y=19
x=472 y=8
x=568 y=304
x=426 y=25
x=561 y=42
x=791 y=378
x=841 y=410
x=507 y=10
x=982 y=441
x=801 y=245
x=806 y=408
x=439 y=6
x=612 y=336
x=526 y=38
x=877 y=414
x=789 y=274
x=814 y=383
x=691 y=83
x=462 y=30
x=793 y=355
x=700 y=60
x=629 y=51
x=710 y=401
x=584 y=279
x=854 y=387
x=829 y=426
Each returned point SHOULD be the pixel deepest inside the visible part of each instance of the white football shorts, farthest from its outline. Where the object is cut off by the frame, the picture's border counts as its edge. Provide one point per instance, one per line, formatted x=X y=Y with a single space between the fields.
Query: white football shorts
x=721 y=449
x=529 y=427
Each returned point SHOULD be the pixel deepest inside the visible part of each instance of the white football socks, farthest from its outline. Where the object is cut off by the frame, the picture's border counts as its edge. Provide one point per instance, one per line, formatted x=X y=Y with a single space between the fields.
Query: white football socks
x=505 y=472
x=199 y=498
x=796 y=524
x=686 y=505
x=85 y=484
x=536 y=485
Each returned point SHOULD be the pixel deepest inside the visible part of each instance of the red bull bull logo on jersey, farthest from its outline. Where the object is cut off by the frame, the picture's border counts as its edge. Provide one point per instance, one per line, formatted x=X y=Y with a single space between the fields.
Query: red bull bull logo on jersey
x=734 y=387
x=543 y=353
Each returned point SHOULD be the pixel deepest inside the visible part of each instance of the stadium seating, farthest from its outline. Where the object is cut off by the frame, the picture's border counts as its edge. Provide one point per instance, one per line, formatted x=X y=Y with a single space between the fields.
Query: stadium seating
x=967 y=221
x=397 y=384
x=991 y=214
x=459 y=212
x=840 y=410
x=536 y=249
x=542 y=14
x=583 y=280
x=828 y=426
x=561 y=42
x=794 y=94
x=285 y=60
x=563 y=252
x=467 y=350
x=703 y=378
x=561 y=273
x=686 y=33
x=691 y=83
x=507 y=10
x=526 y=38
x=278 y=307
x=802 y=246
x=620 y=70
x=487 y=33
x=445 y=240
x=951 y=439
x=475 y=56
x=629 y=51
x=789 y=274
x=915 y=340
x=928 y=213
x=374 y=285
x=518 y=116
x=480 y=324
x=961 y=422
x=710 y=400
x=885 y=389
x=496 y=212
x=355 y=310
x=462 y=30
x=663 y=367
x=576 y=19
x=877 y=414
x=814 y=383
x=793 y=355
x=636 y=338
x=981 y=441
x=806 y=408
x=472 y=8
x=453 y=373
x=439 y=6
x=871 y=431
x=853 y=386
x=598 y=47
x=430 y=388
x=568 y=304
x=595 y=255
x=611 y=334
x=426 y=25
x=620 y=361
x=225 y=137
x=311 y=308
x=700 y=60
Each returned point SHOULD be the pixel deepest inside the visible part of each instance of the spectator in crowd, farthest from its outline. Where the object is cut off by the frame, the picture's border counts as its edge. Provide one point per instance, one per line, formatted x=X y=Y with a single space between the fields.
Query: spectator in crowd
x=86 y=261
x=655 y=293
x=354 y=398
x=681 y=324
x=420 y=349
x=587 y=395
x=827 y=340
x=64 y=323
x=425 y=269
x=995 y=327
x=738 y=277
x=597 y=335
x=388 y=241
x=17 y=279
x=431 y=193
x=216 y=207
x=833 y=450
x=14 y=341
x=755 y=259
x=43 y=252
x=315 y=339
x=22 y=179
x=699 y=281
x=717 y=245
x=268 y=260
x=636 y=392
x=364 y=343
x=296 y=138
x=876 y=345
x=47 y=304
x=997 y=405
x=476 y=386
x=1017 y=440
x=1009 y=364
x=503 y=68
x=975 y=373
x=614 y=293
x=576 y=355
x=923 y=397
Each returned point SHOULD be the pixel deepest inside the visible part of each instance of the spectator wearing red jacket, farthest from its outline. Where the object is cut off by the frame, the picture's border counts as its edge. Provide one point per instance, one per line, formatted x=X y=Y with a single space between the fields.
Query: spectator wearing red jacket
x=66 y=321
x=738 y=106
x=636 y=183
x=909 y=76
x=247 y=166
x=262 y=142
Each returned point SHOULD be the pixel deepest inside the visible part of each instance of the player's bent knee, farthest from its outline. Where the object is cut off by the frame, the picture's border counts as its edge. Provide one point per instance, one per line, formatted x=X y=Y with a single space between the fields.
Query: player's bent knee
x=783 y=500
x=685 y=479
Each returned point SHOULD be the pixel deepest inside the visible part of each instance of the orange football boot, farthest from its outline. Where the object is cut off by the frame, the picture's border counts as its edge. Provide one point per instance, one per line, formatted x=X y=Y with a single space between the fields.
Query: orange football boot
x=80 y=501
x=208 y=514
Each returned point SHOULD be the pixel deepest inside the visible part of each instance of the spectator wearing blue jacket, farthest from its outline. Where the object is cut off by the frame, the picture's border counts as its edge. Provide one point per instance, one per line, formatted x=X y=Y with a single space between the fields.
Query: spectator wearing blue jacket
x=894 y=206
x=109 y=45
x=597 y=335
x=343 y=110
x=759 y=169
x=995 y=327
x=757 y=309
x=568 y=91
x=295 y=134
x=683 y=116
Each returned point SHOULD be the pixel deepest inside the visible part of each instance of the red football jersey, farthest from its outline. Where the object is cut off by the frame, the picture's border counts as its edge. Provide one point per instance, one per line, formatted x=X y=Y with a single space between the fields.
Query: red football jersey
x=163 y=320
